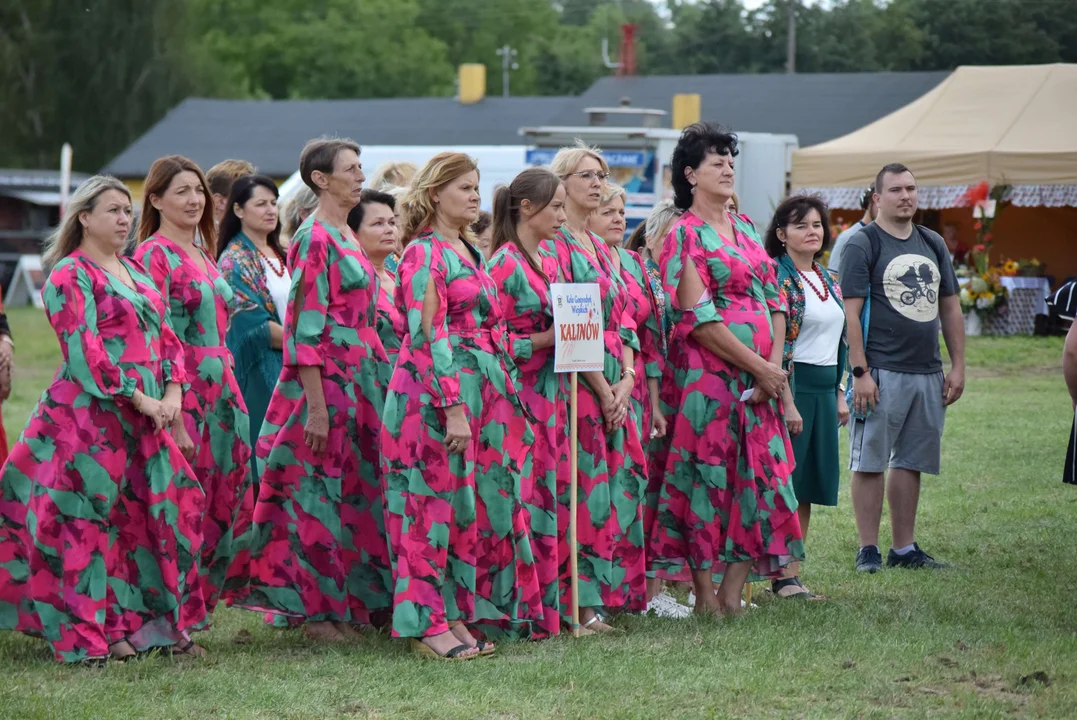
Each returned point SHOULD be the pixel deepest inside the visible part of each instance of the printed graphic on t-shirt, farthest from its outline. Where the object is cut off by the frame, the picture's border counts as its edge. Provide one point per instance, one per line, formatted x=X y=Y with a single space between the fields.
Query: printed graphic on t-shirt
x=911 y=283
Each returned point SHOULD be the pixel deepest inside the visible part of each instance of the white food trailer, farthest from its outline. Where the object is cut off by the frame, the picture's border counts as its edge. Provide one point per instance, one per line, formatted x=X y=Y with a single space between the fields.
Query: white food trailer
x=639 y=158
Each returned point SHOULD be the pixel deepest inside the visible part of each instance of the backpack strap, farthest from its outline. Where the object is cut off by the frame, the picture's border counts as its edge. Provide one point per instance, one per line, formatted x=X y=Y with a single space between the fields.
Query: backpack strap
x=942 y=255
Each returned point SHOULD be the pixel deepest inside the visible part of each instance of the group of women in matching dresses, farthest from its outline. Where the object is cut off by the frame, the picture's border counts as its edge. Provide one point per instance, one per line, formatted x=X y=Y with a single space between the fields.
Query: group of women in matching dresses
x=411 y=467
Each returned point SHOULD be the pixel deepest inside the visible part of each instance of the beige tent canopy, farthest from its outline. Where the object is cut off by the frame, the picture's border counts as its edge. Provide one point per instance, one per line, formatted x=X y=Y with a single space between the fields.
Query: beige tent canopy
x=1012 y=125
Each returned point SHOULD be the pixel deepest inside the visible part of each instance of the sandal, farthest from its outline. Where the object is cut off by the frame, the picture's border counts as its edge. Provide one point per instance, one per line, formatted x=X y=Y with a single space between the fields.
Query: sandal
x=597 y=618
x=454 y=655
x=802 y=593
x=118 y=656
x=485 y=648
x=188 y=649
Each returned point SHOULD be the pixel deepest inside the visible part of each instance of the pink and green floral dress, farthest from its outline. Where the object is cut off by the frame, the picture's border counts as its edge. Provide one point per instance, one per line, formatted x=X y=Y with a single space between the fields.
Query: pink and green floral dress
x=100 y=515
x=727 y=496
x=457 y=523
x=524 y=295
x=214 y=412
x=611 y=469
x=318 y=548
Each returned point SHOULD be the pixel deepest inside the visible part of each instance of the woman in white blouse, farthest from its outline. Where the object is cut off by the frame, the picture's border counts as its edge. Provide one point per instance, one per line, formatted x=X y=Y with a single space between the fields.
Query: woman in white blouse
x=252 y=260
x=814 y=357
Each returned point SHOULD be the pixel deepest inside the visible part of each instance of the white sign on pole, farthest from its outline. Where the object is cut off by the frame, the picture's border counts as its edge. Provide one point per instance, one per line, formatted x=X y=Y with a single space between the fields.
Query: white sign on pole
x=577 y=323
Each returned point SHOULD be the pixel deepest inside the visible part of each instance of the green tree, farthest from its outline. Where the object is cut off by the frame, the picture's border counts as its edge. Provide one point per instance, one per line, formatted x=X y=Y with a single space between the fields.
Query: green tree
x=93 y=74
x=984 y=32
x=326 y=49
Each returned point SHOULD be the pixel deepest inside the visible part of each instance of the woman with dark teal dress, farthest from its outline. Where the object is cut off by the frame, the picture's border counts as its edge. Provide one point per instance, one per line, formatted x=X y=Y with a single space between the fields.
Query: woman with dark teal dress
x=252 y=261
x=814 y=356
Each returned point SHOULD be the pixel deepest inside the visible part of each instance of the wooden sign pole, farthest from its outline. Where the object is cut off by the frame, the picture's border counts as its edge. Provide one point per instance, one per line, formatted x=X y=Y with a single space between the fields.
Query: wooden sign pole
x=572 y=503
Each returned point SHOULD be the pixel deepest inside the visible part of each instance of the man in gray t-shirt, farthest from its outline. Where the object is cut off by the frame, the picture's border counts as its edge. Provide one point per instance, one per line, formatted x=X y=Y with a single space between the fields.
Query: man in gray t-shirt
x=867 y=203
x=899 y=390
x=908 y=278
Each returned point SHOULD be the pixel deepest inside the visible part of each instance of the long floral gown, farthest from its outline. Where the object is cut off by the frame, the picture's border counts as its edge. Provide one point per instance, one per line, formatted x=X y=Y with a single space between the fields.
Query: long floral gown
x=214 y=411
x=611 y=467
x=457 y=525
x=390 y=326
x=727 y=495
x=525 y=301
x=318 y=549
x=650 y=358
x=100 y=515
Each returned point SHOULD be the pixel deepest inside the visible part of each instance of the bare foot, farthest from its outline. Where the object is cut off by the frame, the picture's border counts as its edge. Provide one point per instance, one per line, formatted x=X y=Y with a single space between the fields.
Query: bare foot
x=348 y=631
x=446 y=641
x=708 y=606
x=324 y=631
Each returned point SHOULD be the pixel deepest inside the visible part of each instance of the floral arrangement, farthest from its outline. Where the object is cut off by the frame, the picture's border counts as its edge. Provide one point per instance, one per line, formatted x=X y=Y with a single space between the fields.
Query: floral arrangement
x=1029 y=267
x=983 y=293
x=984 y=201
x=1024 y=267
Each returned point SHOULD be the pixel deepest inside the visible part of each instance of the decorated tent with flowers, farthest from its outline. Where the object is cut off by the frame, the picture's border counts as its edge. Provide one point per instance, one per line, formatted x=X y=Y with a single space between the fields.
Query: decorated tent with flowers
x=994 y=151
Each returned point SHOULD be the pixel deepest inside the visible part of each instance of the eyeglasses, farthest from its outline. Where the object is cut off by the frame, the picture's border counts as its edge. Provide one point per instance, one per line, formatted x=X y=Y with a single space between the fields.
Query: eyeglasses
x=590 y=175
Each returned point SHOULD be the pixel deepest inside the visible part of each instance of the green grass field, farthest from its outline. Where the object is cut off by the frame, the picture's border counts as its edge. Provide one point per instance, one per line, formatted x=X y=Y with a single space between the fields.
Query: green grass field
x=995 y=638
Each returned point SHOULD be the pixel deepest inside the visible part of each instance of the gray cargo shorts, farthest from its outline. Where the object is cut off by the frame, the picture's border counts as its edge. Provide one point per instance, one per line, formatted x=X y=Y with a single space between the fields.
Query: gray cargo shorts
x=905 y=430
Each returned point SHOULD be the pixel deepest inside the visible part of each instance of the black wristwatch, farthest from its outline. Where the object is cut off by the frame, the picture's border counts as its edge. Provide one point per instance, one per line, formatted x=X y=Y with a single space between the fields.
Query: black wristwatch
x=858 y=371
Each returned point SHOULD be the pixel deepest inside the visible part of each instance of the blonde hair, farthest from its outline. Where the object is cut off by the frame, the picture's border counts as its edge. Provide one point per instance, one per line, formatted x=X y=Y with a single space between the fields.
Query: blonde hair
x=419 y=208
x=303 y=199
x=612 y=191
x=221 y=176
x=393 y=174
x=567 y=159
x=69 y=235
x=736 y=202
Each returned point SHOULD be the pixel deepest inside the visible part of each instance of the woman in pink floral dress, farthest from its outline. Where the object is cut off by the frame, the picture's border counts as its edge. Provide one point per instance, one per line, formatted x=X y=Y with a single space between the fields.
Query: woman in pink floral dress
x=612 y=466
x=456 y=442
x=100 y=515
x=318 y=551
x=727 y=511
x=215 y=428
x=528 y=212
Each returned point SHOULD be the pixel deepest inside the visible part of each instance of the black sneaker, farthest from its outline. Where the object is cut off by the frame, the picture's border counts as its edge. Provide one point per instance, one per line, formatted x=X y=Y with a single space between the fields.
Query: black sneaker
x=869 y=559
x=913 y=560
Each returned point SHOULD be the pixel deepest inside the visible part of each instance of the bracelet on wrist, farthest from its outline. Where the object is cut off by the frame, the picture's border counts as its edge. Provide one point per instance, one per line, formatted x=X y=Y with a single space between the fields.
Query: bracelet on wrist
x=628 y=371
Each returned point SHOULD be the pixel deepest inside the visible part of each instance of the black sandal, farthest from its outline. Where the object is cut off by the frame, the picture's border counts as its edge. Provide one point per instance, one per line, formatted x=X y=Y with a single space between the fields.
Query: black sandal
x=185 y=650
x=124 y=658
x=453 y=655
x=805 y=594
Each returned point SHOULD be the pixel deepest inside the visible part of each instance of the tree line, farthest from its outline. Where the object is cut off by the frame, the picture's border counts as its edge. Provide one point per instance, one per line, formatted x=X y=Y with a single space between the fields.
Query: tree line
x=98 y=73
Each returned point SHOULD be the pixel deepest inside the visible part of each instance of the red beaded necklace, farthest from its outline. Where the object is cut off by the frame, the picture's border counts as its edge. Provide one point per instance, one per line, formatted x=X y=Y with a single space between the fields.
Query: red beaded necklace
x=269 y=264
x=825 y=294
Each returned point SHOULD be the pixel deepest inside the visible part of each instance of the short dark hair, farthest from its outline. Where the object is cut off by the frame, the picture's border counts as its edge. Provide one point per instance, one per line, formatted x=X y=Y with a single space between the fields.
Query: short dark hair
x=242 y=190
x=696 y=142
x=865 y=197
x=889 y=169
x=482 y=222
x=369 y=197
x=793 y=210
x=319 y=155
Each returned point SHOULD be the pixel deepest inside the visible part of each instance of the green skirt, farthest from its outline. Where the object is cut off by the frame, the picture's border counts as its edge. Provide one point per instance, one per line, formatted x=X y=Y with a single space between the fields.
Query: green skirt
x=815 y=449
